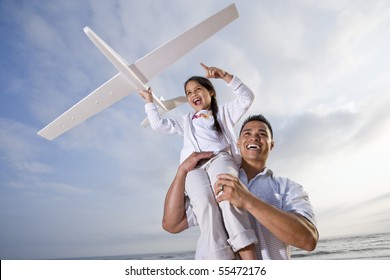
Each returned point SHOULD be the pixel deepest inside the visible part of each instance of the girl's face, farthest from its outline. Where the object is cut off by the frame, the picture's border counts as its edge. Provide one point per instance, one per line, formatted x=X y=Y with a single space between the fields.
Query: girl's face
x=198 y=96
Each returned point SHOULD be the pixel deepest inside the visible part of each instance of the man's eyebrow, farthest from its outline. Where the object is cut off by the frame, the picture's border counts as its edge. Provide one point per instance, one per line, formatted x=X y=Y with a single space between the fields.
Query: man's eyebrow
x=250 y=129
x=245 y=130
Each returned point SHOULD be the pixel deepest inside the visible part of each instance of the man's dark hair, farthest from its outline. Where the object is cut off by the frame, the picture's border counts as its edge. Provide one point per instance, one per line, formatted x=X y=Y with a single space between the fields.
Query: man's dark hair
x=259 y=118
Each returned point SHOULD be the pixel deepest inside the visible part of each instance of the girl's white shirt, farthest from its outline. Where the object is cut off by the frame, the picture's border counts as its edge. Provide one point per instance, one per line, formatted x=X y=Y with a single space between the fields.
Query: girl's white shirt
x=197 y=140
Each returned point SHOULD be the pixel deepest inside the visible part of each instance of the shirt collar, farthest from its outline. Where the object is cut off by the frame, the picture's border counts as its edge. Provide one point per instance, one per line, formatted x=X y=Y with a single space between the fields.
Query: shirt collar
x=244 y=177
x=202 y=113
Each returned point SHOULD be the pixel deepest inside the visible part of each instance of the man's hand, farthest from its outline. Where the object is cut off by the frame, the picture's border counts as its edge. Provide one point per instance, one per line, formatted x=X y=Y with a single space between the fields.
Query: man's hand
x=174 y=217
x=230 y=188
x=191 y=162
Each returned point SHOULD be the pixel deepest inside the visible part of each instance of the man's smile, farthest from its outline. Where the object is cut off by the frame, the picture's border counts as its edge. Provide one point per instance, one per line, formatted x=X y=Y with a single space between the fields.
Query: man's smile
x=253 y=147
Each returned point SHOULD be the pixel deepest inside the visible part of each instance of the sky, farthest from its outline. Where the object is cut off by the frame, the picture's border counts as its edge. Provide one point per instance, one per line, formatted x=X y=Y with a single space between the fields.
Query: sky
x=320 y=73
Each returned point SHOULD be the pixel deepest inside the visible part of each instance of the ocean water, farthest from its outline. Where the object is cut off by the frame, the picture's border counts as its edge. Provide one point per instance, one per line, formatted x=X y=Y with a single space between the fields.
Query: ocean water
x=366 y=247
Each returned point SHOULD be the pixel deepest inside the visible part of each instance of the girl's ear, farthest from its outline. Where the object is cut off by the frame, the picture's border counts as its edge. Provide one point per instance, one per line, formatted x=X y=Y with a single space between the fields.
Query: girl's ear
x=212 y=93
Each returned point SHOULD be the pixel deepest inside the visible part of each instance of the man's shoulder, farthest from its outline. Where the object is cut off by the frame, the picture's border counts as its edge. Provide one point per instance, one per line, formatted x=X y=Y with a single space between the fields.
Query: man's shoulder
x=284 y=183
x=268 y=174
x=281 y=178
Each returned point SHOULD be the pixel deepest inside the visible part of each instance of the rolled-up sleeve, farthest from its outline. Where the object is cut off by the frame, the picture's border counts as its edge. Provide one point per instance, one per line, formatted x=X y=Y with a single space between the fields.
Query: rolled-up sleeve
x=297 y=201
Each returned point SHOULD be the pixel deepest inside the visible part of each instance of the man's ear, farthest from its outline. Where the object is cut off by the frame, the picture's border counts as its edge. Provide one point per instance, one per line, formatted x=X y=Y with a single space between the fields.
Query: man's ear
x=272 y=144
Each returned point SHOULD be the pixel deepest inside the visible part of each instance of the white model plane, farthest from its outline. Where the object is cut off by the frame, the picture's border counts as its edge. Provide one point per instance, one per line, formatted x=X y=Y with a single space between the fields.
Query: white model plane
x=135 y=76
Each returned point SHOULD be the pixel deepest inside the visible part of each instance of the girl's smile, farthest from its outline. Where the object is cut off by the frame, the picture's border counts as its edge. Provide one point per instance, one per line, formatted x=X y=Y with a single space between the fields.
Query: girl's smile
x=198 y=96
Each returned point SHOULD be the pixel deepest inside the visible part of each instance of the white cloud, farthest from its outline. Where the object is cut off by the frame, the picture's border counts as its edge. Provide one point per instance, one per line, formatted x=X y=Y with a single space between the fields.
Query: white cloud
x=15 y=151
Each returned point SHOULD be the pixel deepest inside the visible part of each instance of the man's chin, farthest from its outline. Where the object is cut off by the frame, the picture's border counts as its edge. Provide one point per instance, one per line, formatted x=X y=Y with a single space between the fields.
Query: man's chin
x=252 y=154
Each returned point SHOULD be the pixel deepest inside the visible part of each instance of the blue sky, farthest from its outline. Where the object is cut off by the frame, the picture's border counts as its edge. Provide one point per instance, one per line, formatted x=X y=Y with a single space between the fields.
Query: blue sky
x=319 y=70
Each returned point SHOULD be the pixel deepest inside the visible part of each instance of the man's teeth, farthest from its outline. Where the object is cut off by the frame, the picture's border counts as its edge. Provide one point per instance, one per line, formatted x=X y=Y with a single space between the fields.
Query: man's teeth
x=253 y=146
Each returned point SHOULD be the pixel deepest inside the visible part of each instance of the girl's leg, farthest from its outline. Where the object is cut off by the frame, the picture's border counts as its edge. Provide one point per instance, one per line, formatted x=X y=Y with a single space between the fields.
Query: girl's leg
x=208 y=214
x=241 y=236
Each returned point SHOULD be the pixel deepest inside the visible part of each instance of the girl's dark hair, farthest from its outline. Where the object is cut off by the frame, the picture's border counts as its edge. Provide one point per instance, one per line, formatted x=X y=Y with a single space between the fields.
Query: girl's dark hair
x=213 y=105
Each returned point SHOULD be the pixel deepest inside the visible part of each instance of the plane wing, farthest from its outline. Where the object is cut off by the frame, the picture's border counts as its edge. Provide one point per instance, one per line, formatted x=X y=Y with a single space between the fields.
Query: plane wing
x=151 y=64
x=112 y=91
x=119 y=62
x=135 y=76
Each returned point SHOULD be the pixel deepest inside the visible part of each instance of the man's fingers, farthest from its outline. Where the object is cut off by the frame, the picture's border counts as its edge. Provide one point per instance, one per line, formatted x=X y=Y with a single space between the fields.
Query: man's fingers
x=227 y=177
x=226 y=182
x=220 y=197
x=195 y=157
x=206 y=154
x=203 y=155
x=219 y=191
x=220 y=186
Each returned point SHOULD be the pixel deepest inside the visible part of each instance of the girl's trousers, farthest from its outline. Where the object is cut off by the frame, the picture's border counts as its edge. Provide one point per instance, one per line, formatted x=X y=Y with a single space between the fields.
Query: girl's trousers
x=225 y=228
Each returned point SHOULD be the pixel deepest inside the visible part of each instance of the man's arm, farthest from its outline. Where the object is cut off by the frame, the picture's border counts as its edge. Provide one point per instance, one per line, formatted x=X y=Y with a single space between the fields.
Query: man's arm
x=290 y=228
x=174 y=217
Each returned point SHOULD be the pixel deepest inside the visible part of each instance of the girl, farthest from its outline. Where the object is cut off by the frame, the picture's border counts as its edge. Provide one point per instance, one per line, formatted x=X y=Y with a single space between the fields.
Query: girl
x=211 y=128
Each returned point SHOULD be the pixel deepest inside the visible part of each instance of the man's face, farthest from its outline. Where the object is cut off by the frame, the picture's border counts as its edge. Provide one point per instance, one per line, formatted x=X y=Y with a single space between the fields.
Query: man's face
x=255 y=141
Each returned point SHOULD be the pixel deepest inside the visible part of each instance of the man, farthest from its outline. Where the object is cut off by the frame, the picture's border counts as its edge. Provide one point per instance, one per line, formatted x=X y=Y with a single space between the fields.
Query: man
x=280 y=211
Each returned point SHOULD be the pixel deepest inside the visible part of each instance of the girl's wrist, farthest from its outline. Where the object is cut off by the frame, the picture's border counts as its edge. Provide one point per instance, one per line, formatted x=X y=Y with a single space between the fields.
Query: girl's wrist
x=227 y=77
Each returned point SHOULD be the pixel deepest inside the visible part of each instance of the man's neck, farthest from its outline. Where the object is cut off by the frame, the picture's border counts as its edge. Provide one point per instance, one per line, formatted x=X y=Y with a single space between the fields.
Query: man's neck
x=252 y=168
